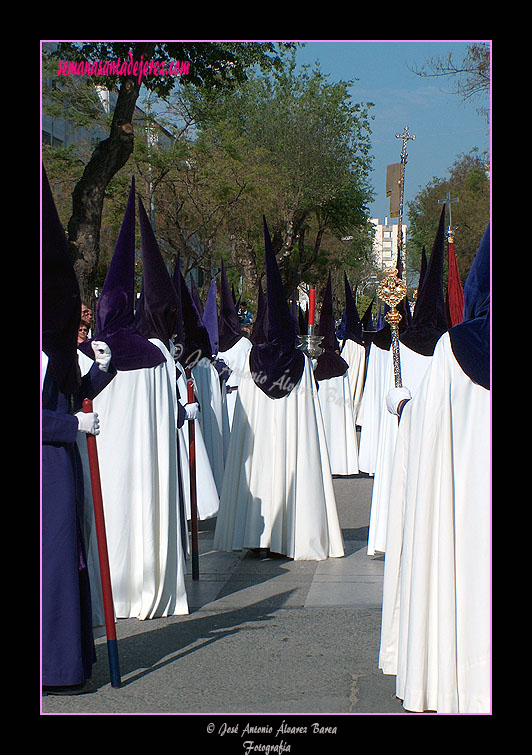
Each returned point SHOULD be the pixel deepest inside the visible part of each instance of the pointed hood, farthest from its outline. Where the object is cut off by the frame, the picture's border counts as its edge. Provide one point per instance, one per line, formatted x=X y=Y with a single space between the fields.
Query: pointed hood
x=353 y=325
x=61 y=300
x=367 y=319
x=382 y=335
x=179 y=336
x=196 y=298
x=228 y=323
x=368 y=327
x=301 y=328
x=423 y=268
x=340 y=333
x=477 y=285
x=330 y=363
x=341 y=330
x=260 y=324
x=302 y=318
x=116 y=304
x=210 y=318
x=470 y=340
x=197 y=342
x=276 y=364
x=293 y=311
x=430 y=320
x=157 y=313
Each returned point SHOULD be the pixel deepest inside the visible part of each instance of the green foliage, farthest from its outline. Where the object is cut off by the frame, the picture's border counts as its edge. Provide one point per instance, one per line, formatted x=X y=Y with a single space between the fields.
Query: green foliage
x=469 y=182
x=222 y=65
x=299 y=150
x=249 y=135
x=73 y=98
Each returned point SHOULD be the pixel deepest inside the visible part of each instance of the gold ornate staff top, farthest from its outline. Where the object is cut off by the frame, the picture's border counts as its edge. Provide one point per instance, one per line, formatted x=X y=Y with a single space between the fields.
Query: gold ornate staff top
x=392 y=290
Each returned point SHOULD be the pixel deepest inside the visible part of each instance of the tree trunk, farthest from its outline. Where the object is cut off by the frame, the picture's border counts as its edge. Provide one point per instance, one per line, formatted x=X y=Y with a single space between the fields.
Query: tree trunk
x=297 y=273
x=242 y=254
x=108 y=158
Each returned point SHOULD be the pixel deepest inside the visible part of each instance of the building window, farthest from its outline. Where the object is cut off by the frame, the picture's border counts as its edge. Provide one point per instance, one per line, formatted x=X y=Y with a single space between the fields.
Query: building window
x=51 y=140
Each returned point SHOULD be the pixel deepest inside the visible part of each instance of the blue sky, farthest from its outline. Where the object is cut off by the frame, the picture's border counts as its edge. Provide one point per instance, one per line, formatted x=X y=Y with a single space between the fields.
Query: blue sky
x=444 y=126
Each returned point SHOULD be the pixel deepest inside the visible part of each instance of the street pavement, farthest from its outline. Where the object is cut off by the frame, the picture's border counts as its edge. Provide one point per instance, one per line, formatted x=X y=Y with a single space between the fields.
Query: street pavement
x=265 y=636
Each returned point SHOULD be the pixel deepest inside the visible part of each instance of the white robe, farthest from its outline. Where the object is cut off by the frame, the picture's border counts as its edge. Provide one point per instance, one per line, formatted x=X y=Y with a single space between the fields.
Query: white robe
x=236 y=359
x=278 y=491
x=435 y=632
x=211 y=416
x=413 y=368
x=335 y=397
x=137 y=456
x=372 y=406
x=355 y=356
x=206 y=493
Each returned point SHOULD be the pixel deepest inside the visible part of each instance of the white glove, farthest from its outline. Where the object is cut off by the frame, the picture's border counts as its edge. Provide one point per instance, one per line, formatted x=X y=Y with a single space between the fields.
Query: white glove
x=102 y=354
x=88 y=422
x=314 y=363
x=191 y=410
x=394 y=398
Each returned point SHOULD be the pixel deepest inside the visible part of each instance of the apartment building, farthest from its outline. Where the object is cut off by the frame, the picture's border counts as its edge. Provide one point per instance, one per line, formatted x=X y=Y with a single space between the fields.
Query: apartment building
x=386 y=242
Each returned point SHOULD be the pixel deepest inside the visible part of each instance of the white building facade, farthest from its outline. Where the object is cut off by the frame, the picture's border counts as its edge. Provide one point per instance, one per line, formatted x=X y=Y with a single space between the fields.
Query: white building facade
x=386 y=243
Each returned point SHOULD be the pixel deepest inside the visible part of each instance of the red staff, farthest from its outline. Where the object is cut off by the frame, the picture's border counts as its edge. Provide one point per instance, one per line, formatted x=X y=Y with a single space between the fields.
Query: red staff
x=112 y=646
x=193 y=491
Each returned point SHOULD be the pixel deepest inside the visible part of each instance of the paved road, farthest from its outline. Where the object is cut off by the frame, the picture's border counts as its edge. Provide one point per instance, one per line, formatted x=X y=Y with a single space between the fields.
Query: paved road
x=263 y=636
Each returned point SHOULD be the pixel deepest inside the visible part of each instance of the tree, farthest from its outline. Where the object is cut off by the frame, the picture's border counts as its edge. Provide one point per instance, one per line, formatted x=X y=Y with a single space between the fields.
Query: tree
x=196 y=184
x=124 y=67
x=469 y=182
x=470 y=76
x=301 y=151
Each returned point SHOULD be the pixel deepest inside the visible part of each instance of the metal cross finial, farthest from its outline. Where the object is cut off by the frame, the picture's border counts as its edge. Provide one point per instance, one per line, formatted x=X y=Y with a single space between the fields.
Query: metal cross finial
x=405 y=136
x=447 y=201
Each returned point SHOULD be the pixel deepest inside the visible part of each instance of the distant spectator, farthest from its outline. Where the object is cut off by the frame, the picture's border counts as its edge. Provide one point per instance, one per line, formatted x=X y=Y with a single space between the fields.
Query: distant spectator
x=86 y=314
x=244 y=315
x=83 y=332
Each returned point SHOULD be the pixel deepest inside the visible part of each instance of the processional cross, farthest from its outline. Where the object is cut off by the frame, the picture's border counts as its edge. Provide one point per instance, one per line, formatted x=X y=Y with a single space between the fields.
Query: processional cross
x=405 y=136
x=393 y=289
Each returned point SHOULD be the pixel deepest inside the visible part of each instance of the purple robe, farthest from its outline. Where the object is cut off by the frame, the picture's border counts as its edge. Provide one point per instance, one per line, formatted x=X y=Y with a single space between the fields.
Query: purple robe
x=67 y=640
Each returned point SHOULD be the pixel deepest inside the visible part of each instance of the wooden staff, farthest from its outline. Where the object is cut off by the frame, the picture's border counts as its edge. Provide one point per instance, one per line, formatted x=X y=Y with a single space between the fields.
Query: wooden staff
x=193 y=490
x=112 y=646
